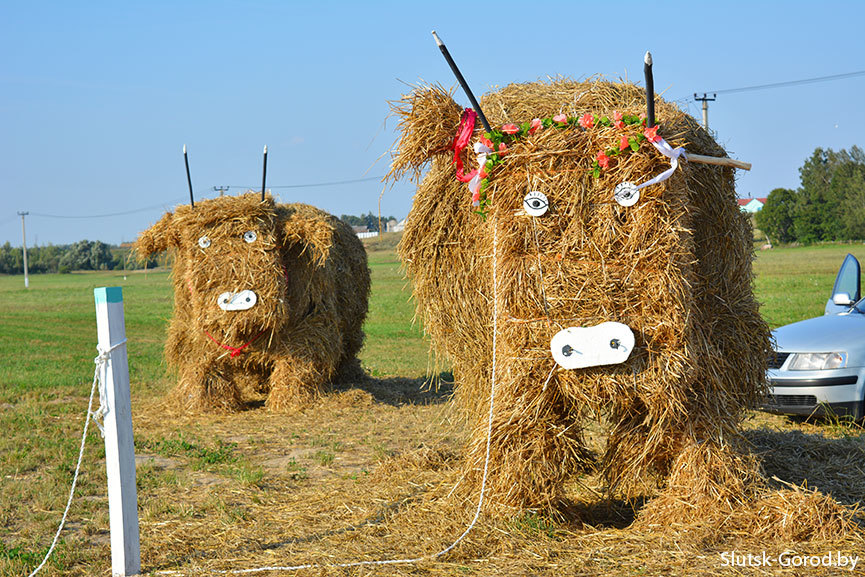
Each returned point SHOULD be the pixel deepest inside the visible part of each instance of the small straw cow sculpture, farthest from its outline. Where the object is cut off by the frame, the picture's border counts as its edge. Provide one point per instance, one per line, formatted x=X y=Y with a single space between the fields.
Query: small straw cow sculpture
x=674 y=267
x=268 y=295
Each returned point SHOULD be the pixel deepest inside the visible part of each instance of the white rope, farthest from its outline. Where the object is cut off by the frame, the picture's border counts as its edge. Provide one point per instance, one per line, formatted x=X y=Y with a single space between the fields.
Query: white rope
x=483 y=480
x=98 y=382
x=101 y=361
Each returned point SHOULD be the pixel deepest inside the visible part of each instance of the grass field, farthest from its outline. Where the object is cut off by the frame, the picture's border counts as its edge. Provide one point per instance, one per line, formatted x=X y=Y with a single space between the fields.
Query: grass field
x=364 y=475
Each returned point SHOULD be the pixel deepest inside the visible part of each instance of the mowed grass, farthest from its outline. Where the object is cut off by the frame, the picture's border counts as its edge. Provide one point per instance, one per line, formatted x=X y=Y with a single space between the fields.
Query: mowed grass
x=254 y=460
x=794 y=283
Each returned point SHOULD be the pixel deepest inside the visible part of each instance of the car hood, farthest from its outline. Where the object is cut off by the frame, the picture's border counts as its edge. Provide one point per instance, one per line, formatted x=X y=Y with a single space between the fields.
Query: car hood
x=824 y=334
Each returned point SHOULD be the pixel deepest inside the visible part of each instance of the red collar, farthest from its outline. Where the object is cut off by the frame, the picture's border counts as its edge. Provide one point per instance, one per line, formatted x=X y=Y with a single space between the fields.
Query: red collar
x=234 y=350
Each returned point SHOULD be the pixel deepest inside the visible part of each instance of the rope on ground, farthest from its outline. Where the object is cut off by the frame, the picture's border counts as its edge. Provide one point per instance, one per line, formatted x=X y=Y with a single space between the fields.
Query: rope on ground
x=98 y=383
x=474 y=521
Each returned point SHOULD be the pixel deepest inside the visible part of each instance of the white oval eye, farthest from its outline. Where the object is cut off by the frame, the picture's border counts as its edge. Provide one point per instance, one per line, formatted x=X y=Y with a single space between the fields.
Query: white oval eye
x=204 y=241
x=535 y=203
x=249 y=236
x=626 y=194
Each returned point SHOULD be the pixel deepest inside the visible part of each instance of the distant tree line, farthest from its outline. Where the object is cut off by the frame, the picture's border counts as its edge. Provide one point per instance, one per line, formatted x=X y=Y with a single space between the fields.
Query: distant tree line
x=828 y=205
x=369 y=220
x=82 y=255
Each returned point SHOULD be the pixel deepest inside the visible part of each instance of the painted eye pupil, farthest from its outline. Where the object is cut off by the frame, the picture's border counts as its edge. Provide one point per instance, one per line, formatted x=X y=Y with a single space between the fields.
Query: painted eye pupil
x=204 y=241
x=536 y=203
x=250 y=236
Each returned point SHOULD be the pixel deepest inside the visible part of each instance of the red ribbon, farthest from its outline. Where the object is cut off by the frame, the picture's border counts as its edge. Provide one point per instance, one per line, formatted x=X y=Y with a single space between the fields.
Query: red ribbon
x=461 y=140
x=234 y=350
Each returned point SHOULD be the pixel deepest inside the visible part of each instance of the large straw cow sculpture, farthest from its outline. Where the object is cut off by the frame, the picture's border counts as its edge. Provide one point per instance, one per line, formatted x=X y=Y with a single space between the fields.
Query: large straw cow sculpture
x=674 y=267
x=264 y=293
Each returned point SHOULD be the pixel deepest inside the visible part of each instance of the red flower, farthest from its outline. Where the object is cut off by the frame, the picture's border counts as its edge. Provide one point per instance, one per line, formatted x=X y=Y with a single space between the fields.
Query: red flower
x=623 y=143
x=560 y=118
x=652 y=134
x=603 y=160
x=510 y=128
x=503 y=148
x=587 y=120
x=619 y=124
x=536 y=123
x=487 y=142
x=617 y=116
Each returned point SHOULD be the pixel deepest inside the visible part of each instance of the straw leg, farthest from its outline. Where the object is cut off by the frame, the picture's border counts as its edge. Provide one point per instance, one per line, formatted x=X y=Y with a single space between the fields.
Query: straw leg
x=295 y=384
x=708 y=479
x=638 y=446
x=535 y=444
x=207 y=388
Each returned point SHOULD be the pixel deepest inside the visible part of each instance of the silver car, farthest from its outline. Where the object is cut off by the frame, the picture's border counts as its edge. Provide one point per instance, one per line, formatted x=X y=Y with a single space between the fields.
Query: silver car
x=819 y=364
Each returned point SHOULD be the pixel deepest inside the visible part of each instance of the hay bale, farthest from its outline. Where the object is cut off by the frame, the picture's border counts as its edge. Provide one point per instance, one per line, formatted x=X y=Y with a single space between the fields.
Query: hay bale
x=675 y=268
x=297 y=285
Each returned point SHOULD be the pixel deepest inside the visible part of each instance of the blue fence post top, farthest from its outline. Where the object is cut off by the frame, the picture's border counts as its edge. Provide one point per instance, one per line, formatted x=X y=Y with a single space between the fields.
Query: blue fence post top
x=111 y=294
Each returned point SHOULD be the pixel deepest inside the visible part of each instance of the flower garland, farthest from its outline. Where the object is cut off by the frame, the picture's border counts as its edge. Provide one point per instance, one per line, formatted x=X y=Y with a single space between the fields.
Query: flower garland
x=494 y=144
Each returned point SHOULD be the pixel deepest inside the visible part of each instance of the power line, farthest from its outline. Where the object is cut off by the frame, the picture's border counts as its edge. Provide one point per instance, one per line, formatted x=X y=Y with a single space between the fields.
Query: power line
x=106 y=215
x=789 y=83
x=181 y=200
x=315 y=184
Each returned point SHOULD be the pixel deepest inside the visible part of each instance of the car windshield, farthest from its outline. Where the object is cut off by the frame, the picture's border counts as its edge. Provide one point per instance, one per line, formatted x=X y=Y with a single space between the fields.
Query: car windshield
x=859 y=307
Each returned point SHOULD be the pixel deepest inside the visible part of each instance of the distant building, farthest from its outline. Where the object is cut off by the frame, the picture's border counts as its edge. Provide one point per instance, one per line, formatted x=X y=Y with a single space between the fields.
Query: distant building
x=397 y=226
x=360 y=229
x=751 y=205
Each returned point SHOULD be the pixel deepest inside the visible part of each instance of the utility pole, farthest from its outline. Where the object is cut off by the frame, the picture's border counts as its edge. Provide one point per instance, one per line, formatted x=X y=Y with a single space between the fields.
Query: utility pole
x=706 y=100
x=220 y=189
x=24 y=238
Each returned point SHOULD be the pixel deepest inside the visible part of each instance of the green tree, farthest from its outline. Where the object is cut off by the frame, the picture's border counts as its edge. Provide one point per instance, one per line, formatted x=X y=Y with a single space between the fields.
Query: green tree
x=848 y=182
x=776 y=216
x=853 y=213
x=11 y=260
x=829 y=201
x=352 y=220
x=77 y=257
x=100 y=256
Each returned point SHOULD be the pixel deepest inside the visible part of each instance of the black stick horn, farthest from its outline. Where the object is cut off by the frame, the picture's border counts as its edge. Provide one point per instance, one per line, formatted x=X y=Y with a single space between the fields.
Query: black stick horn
x=462 y=81
x=264 y=173
x=650 y=90
x=188 y=178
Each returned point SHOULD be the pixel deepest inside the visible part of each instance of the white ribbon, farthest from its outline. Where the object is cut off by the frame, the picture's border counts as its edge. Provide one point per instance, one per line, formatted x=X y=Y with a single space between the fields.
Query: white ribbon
x=481 y=150
x=673 y=154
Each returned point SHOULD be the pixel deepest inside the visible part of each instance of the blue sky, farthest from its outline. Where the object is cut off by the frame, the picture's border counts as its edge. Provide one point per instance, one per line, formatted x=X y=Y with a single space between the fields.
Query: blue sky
x=98 y=98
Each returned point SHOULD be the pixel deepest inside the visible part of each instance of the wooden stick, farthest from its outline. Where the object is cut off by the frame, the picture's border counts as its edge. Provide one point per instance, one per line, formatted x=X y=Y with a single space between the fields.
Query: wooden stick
x=718 y=161
x=455 y=69
x=188 y=178
x=650 y=90
x=264 y=174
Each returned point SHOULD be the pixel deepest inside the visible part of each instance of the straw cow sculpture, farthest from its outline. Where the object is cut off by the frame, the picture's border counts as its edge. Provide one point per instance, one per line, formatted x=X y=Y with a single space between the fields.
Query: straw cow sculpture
x=546 y=247
x=268 y=296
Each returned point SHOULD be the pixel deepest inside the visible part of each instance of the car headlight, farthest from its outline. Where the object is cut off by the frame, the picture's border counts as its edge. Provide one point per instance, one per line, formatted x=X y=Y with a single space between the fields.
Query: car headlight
x=817 y=361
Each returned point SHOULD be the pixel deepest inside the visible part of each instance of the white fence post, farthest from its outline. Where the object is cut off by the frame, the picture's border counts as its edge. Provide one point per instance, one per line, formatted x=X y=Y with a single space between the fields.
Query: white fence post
x=119 y=447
